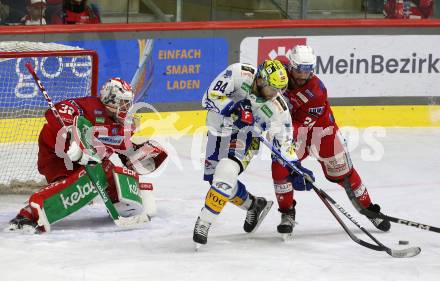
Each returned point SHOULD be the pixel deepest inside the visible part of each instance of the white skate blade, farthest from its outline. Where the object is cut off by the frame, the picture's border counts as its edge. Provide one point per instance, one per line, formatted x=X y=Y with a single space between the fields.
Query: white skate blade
x=26 y=229
x=287 y=237
x=197 y=246
x=263 y=215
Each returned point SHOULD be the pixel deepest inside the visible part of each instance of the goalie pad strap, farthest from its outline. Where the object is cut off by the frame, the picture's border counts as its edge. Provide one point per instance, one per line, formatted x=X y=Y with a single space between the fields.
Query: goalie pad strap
x=146 y=186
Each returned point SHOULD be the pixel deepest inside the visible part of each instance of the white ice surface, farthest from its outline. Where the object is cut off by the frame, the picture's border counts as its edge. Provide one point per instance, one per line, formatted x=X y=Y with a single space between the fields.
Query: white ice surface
x=88 y=246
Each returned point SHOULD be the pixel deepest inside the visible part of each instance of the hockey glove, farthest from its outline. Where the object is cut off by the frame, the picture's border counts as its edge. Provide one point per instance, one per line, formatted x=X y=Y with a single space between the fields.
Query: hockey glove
x=242 y=114
x=76 y=154
x=78 y=149
x=299 y=181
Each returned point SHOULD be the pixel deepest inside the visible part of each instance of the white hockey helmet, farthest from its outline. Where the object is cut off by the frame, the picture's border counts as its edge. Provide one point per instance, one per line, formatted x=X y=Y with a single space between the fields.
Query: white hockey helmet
x=302 y=58
x=117 y=96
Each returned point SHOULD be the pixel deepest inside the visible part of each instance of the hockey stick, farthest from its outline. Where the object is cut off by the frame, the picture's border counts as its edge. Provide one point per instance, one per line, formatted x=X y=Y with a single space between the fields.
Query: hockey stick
x=90 y=169
x=374 y=215
x=327 y=200
x=143 y=77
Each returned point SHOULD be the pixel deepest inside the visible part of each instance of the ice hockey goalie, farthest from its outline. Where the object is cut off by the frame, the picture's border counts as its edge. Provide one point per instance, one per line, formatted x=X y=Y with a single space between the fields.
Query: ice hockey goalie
x=62 y=159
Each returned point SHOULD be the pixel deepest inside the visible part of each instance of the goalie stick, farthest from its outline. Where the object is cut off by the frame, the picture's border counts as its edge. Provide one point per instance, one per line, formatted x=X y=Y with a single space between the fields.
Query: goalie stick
x=327 y=200
x=374 y=215
x=97 y=182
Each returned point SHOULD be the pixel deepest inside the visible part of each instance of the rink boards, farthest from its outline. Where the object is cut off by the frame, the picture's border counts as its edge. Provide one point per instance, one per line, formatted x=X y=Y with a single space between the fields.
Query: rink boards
x=190 y=122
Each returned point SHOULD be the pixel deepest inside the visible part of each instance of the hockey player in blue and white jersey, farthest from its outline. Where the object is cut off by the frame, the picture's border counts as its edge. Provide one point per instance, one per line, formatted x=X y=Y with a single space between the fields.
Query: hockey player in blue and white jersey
x=242 y=102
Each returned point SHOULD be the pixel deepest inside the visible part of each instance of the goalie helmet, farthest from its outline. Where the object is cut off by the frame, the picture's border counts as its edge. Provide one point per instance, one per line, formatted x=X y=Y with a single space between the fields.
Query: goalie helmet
x=117 y=96
x=302 y=58
x=274 y=78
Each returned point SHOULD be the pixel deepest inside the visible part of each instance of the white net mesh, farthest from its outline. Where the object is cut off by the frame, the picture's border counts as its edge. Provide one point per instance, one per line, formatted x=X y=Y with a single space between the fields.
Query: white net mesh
x=22 y=106
x=26 y=46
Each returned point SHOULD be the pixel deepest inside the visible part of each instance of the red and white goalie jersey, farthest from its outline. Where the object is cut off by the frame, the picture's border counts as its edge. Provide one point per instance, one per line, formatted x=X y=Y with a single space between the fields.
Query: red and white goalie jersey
x=114 y=135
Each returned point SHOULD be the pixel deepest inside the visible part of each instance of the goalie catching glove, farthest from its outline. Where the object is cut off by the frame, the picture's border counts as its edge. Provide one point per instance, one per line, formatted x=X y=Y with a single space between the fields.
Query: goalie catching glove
x=144 y=157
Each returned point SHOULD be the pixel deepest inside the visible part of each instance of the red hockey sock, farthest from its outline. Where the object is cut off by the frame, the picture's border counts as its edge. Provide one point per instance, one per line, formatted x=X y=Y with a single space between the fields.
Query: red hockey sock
x=284 y=195
x=359 y=189
x=27 y=213
x=283 y=188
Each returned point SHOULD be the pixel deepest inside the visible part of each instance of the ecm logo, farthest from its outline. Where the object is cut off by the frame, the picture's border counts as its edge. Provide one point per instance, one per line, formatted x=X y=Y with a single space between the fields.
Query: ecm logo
x=50 y=68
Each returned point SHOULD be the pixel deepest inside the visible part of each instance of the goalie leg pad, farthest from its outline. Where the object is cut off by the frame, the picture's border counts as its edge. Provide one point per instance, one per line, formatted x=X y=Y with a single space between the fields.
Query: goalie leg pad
x=148 y=198
x=62 y=198
x=129 y=201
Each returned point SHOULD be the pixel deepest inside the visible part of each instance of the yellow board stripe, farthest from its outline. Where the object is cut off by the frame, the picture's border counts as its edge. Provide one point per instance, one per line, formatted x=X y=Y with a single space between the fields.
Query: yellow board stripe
x=388 y=116
x=20 y=130
x=190 y=122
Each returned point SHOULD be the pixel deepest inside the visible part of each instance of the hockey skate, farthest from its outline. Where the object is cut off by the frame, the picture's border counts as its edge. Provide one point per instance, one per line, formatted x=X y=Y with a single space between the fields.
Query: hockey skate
x=25 y=225
x=201 y=229
x=380 y=224
x=256 y=213
x=285 y=228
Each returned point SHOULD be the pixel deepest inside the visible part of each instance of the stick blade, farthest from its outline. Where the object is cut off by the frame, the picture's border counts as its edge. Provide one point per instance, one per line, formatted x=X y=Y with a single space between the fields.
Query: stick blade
x=404 y=253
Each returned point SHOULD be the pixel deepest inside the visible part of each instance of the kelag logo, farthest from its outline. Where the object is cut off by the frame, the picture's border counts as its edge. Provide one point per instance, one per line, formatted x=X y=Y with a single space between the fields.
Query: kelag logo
x=277 y=48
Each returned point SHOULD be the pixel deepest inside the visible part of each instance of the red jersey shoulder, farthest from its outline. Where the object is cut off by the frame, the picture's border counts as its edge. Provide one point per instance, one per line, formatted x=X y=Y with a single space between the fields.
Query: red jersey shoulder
x=316 y=93
x=313 y=93
x=315 y=90
x=89 y=107
x=67 y=111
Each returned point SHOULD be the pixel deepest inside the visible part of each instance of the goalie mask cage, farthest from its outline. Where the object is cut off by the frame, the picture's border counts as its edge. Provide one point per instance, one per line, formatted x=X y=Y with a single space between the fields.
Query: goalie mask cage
x=66 y=72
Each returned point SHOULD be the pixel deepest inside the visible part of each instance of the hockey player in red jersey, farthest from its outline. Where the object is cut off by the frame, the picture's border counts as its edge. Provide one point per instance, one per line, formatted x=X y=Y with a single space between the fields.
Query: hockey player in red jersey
x=62 y=161
x=408 y=9
x=76 y=12
x=315 y=132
